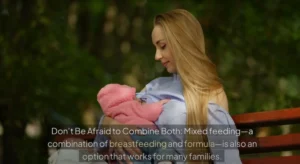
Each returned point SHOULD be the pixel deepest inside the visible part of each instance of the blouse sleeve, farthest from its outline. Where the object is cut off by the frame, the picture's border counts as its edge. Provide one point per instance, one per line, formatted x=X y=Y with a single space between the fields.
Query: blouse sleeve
x=223 y=135
x=171 y=124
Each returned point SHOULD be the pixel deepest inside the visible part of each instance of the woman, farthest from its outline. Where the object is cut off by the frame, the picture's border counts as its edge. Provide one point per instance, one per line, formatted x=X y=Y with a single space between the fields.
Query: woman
x=179 y=41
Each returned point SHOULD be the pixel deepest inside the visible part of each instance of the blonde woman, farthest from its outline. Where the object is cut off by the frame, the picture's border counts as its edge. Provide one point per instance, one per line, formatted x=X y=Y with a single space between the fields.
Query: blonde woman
x=198 y=101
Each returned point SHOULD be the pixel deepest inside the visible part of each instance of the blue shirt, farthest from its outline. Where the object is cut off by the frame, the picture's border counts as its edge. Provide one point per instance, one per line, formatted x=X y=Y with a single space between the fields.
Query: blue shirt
x=174 y=116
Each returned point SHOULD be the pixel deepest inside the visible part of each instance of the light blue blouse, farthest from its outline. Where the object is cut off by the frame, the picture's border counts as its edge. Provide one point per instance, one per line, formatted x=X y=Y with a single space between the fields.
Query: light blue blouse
x=173 y=116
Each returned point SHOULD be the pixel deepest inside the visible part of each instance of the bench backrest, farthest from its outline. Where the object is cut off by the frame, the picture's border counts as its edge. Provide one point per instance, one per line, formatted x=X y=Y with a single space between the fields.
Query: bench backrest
x=269 y=144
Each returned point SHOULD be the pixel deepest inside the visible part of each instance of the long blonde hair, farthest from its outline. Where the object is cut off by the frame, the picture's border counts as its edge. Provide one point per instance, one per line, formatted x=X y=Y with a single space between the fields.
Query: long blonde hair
x=197 y=72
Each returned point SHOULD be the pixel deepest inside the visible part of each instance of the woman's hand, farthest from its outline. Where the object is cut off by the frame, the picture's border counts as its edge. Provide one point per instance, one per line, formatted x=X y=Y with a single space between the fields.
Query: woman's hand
x=123 y=139
x=118 y=140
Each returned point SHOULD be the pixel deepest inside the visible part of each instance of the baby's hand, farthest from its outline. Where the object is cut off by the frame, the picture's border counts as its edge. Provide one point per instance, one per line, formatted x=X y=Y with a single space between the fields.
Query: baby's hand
x=165 y=162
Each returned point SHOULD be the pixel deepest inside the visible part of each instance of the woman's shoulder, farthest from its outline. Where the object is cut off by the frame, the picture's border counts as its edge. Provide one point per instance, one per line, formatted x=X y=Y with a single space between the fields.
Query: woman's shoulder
x=161 y=81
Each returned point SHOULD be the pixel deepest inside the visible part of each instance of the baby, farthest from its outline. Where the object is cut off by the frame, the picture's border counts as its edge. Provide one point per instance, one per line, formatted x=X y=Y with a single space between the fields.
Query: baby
x=120 y=103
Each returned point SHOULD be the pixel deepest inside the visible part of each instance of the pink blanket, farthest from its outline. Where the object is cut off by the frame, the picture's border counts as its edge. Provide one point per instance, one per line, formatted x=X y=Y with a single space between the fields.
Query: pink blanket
x=119 y=102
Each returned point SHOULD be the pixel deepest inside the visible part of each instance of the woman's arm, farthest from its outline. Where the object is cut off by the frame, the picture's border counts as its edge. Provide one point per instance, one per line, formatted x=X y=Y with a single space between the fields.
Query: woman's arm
x=107 y=121
x=121 y=139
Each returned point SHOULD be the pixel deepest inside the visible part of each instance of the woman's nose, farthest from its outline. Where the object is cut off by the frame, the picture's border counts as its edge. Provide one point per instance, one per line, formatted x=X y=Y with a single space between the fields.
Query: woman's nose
x=158 y=56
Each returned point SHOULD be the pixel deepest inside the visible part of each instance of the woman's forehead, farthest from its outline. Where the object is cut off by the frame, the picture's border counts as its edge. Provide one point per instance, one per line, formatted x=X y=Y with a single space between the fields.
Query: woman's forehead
x=157 y=34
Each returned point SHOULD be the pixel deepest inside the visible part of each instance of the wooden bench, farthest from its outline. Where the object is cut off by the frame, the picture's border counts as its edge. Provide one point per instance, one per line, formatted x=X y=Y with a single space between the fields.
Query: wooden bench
x=269 y=144
x=265 y=144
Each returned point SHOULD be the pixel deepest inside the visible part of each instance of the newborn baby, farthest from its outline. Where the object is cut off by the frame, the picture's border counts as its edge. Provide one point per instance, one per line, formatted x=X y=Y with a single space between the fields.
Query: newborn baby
x=120 y=103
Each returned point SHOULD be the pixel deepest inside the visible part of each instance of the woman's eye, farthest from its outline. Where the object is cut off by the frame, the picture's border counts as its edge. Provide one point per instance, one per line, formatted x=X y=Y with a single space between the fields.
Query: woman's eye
x=163 y=47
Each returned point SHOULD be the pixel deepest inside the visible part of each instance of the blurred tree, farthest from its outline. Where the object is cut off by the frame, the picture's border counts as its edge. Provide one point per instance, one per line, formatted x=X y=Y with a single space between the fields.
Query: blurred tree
x=56 y=55
x=42 y=69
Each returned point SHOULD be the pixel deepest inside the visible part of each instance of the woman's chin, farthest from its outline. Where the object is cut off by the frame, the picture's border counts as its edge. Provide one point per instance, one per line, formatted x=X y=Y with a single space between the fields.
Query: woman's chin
x=171 y=70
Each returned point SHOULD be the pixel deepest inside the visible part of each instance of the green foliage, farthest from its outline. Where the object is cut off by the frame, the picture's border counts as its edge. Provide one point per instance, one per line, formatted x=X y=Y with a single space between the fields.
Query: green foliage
x=55 y=56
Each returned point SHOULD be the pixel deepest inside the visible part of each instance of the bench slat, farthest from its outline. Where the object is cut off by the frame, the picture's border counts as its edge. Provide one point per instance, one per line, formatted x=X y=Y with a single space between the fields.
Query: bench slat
x=271 y=143
x=267 y=118
x=273 y=160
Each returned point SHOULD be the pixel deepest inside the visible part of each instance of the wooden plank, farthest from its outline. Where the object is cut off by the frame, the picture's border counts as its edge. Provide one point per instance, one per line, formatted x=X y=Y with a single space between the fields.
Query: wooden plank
x=273 y=160
x=271 y=143
x=267 y=118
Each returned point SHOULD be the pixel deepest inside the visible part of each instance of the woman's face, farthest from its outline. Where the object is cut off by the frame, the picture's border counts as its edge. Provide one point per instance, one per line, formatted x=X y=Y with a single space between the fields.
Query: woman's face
x=163 y=51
